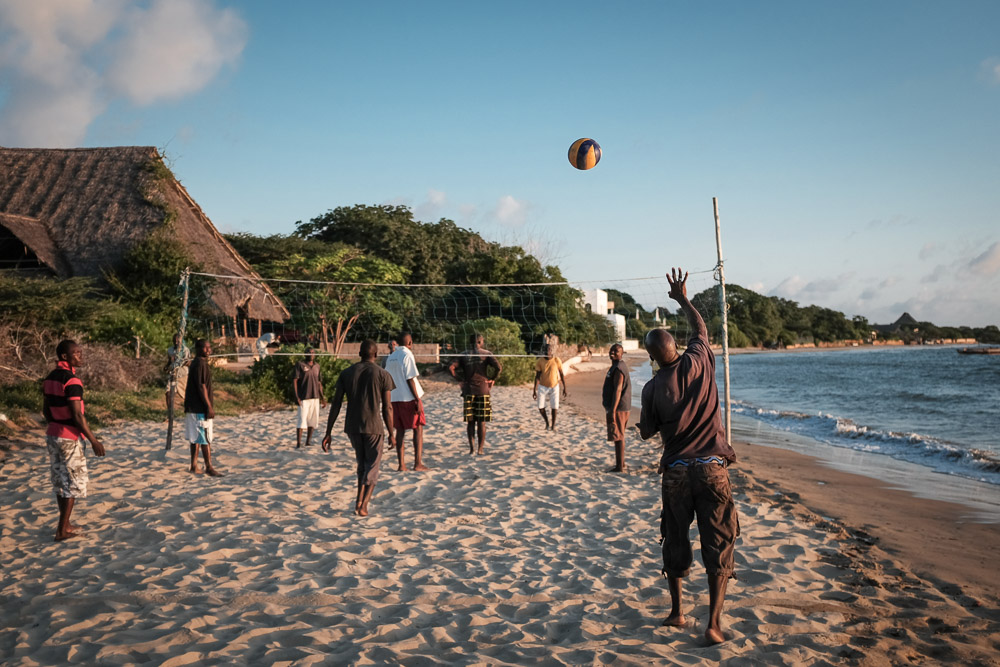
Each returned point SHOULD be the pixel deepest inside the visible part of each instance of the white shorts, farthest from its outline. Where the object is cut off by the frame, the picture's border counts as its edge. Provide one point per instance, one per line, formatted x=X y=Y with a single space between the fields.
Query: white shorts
x=197 y=429
x=552 y=393
x=309 y=413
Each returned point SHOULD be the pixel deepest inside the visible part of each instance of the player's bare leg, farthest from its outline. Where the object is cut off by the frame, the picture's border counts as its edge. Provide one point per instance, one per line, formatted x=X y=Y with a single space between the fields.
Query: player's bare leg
x=553 y=419
x=545 y=416
x=676 y=618
x=64 y=530
x=471 y=430
x=365 y=497
x=194 y=459
x=298 y=438
x=309 y=435
x=482 y=437
x=418 y=448
x=400 y=454
x=206 y=451
x=716 y=597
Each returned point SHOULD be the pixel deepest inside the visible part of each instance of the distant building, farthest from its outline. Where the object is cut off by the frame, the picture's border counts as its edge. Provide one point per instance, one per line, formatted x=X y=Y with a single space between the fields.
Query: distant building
x=905 y=324
x=596 y=301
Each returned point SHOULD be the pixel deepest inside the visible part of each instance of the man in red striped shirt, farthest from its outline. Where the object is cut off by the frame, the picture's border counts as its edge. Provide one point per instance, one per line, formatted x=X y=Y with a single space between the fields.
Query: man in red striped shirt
x=62 y=406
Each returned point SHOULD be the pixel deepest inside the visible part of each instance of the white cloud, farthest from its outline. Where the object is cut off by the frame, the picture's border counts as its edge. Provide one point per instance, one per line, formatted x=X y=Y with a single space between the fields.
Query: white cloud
x=63 y=61
x=928 y=250
x=989 y=71
x=431 y=209
x=511 y=211
x=794 y=287
x=988 y=263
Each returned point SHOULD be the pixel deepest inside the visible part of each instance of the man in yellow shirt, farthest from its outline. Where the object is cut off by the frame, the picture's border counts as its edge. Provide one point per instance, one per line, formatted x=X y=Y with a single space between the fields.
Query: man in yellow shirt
x=548 y=377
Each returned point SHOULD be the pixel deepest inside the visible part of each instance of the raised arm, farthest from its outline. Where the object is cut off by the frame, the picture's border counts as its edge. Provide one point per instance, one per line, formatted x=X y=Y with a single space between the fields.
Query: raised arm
x=677 y=279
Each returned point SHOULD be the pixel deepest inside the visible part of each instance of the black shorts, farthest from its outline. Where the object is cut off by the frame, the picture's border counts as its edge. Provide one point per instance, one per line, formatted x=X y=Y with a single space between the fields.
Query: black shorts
x=477 y=408
x=368 y=452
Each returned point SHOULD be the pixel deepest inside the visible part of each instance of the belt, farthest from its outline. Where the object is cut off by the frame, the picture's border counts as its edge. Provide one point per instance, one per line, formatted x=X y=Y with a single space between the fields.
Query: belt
x=700 y=461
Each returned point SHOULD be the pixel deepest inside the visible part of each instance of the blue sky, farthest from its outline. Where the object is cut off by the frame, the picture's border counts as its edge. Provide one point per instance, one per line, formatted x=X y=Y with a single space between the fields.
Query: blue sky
x=852 y=145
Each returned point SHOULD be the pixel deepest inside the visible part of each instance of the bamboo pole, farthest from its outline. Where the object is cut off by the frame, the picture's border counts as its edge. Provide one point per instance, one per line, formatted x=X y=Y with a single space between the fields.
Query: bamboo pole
x=725 y=319
x=178 y=354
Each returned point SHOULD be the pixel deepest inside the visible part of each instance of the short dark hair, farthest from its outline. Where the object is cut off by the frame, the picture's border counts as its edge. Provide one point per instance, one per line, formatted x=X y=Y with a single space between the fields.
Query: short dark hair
x=64 y=347
x=619 y=345
x=402 y=336
x=474 y=338
x=369 y=349
x=200 y=344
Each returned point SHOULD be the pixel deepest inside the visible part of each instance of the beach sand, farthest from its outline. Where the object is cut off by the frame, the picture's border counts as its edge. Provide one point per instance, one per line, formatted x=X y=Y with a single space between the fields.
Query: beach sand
x=529 y=554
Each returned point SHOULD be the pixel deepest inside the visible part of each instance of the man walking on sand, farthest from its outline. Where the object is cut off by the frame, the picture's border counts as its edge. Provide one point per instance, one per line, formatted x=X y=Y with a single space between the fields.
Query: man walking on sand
x=308 y=388
x=407 y=408
x=476 y=406
x=681 y=403
x=199 y=408
x=367 y=388
x=548 y=377
x=62 y=406
x=617 y=399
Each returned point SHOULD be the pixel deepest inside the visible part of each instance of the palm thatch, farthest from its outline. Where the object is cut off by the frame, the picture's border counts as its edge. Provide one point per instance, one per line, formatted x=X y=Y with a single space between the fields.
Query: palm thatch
x=80 y=210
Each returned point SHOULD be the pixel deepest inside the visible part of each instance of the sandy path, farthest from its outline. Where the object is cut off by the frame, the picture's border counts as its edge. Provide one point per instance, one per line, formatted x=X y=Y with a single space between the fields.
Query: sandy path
x=528 y=554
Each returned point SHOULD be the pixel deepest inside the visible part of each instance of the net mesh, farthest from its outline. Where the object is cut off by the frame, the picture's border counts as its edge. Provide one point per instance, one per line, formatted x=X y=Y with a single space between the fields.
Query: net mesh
x=519 y=319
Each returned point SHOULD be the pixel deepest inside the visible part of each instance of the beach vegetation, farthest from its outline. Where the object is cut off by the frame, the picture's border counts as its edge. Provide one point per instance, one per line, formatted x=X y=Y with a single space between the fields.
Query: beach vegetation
x=502 y=337
x=272 y=376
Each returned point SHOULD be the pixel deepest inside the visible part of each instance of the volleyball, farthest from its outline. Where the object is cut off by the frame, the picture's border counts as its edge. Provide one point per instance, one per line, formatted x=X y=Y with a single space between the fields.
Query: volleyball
x=584 y=154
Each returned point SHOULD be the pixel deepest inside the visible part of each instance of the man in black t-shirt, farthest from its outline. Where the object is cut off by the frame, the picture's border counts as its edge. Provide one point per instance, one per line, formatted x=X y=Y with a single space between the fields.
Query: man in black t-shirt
x=367 y=388
x=477 y=408
x=617 y=399
x=199 y=408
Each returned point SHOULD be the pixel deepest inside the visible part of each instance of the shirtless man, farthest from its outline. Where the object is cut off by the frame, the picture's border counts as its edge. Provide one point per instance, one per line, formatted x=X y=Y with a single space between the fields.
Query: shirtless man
x=476 y=406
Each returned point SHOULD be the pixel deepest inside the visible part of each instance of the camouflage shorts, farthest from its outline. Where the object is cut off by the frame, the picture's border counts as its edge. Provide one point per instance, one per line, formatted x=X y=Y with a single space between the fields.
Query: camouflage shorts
x=67 y=467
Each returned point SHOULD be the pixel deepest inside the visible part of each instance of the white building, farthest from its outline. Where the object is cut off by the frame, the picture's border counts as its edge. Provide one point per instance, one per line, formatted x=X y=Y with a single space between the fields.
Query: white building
x=596 y=301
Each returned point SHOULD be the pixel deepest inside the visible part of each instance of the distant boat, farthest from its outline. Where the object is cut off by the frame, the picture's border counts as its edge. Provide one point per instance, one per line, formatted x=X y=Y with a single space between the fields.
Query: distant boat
x=980 y=349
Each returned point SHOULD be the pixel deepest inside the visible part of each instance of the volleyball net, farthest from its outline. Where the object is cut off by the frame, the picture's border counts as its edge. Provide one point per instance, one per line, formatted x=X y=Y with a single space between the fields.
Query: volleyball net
x=238 y=312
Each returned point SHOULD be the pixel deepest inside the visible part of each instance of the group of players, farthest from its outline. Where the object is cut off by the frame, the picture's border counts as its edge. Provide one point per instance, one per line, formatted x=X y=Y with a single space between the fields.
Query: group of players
x=680 y=403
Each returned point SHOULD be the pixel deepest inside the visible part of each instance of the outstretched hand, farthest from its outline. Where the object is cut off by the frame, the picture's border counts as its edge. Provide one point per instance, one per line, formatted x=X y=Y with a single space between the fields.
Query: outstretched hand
x=677 y=280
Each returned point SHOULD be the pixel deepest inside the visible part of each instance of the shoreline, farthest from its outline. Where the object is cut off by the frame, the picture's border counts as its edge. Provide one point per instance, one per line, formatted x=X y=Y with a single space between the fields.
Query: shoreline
x=934 y=537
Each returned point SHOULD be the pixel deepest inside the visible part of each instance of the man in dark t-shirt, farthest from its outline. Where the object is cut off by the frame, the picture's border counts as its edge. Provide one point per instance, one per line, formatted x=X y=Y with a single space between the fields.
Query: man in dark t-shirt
x=477 y=408
x=367 y=388
x=199 y=408
x=617 y=400
x=681 y=403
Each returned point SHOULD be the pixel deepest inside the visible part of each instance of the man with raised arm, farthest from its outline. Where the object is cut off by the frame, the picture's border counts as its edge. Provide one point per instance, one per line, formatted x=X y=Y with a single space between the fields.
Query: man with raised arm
x=199 y=408
x=616 y=395
x=308 y=388
x=367 y=388
x=681 y=403
x=407 y=408
x=62 y=406
x=548 y=377
x=476 y=406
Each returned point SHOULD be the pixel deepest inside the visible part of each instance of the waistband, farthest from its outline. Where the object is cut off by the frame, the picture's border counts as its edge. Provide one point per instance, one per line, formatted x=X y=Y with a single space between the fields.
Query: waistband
x=700 y=461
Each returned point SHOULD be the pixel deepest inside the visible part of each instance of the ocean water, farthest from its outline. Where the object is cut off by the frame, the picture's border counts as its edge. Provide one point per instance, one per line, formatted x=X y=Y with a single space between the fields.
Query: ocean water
x=924 y=405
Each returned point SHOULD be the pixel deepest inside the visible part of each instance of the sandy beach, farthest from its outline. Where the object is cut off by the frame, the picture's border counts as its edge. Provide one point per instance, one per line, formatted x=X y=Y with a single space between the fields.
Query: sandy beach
x=530 y=554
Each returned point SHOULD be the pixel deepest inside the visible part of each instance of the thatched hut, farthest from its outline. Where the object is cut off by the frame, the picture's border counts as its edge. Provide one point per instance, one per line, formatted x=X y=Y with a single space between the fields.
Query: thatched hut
x=76 y=212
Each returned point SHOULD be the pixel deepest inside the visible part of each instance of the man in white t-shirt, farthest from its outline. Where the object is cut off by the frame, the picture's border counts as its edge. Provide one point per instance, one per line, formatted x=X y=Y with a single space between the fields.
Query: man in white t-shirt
x=266 y=341
x=407 y=408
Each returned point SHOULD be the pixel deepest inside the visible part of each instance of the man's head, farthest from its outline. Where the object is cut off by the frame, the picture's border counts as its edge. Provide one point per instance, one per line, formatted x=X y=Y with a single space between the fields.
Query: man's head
x=392 y=345
x=405 y=339
x=311 y=354
x=550 y=351
x=369 y=350
x=616 y=352
x=661 y=346
x=177 y=340
x=477 y=340
x=68 y=351
x=202 y=347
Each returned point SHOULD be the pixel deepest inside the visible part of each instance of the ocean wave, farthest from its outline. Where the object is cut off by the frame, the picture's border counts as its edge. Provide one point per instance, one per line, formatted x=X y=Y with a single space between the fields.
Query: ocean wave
x=941 y=455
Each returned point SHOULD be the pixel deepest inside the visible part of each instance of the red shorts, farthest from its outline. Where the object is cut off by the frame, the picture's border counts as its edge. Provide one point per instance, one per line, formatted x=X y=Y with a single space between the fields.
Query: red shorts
x=406 y=416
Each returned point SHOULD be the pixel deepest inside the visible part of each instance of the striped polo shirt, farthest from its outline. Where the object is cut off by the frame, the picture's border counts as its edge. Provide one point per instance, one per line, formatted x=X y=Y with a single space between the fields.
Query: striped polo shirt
x=60 y=387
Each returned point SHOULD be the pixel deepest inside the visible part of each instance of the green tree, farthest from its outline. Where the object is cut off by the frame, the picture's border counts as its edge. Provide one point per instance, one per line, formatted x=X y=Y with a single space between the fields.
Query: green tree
x=502 y=337
x=334 y=308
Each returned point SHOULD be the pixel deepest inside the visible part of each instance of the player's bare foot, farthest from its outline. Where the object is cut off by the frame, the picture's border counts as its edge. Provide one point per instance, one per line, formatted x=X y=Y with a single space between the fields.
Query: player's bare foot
x=362 y=511
x=214 y=473
x=401 y=469
x=420 y=467
x=616 y=469
x=714 y=636
x=65 y=536
x=481 y=451
x=195 y=470
x=673 y=621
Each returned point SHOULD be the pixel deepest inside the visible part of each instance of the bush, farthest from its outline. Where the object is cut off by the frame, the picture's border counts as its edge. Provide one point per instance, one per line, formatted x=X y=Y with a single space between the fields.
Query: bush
x=502 y=337
x=273 y=375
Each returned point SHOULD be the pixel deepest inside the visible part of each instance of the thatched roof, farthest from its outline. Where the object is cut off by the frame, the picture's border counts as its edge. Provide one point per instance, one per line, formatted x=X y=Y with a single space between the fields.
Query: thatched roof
x=80 y=210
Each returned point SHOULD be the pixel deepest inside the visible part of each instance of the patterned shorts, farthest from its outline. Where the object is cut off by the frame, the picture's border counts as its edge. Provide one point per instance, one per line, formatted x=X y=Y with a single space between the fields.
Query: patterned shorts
x=67 y=467
x=197 y=429
x=476 y=408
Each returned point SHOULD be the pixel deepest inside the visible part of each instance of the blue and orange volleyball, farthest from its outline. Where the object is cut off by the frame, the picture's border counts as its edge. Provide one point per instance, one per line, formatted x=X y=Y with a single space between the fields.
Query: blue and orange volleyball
x=584 y=154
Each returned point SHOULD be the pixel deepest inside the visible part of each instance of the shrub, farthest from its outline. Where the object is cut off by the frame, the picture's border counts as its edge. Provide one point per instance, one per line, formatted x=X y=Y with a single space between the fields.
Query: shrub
x=273 y=375
x=502 y=337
